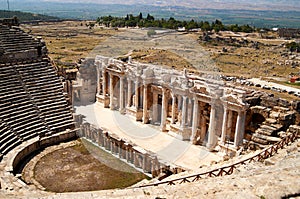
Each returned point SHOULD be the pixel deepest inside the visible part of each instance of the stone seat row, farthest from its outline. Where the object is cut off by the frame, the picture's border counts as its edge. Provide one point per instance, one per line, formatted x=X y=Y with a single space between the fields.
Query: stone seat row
x=26 y=127
x=37 y=65
x=8 y=109
x=20 y=46
x=36 y=71
x=31 y=102
x=5 y=36
x=46 y=91
x=17 y=42
x=8 y=140
x=23 y=49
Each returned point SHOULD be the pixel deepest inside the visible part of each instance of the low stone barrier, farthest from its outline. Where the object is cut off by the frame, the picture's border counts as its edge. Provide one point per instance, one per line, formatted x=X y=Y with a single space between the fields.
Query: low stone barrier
x=133 y=154
x=11 y=161
x=42 y=143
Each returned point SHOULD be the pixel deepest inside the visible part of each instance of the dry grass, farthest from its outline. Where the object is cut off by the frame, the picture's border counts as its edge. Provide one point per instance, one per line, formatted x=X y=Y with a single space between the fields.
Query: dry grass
x=70 y=40
x=161 y=57
x=251 y=62
x=84 y=167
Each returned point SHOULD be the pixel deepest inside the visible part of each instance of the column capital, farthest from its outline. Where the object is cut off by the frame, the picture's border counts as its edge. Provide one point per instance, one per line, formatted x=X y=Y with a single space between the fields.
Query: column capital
x=213 y=101
x=173 y=94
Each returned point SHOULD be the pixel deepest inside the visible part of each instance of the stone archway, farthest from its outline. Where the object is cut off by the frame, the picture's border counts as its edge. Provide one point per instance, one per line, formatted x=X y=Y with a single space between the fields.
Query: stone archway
x=254 y=120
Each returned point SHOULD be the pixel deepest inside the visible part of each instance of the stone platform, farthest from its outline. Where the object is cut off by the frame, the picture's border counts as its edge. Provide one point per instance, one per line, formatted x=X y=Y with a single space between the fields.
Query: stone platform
x=167 y=148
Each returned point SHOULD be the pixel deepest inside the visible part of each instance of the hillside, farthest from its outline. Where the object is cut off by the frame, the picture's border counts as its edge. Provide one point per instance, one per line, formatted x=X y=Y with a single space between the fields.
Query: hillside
x=287 y=16
x=25 y=16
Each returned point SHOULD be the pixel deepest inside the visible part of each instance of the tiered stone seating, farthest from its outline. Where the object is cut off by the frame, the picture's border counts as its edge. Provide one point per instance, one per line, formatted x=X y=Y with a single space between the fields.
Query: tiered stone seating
x=16 y=40
x=46 y=91
x=16 y=107
x=8 y=140
x=31 y=98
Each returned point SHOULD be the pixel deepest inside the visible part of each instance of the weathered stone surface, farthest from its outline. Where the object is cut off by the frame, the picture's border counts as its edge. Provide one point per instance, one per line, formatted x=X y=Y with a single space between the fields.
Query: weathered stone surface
x=296 y=106
x=274 y=115
x=256 y=138
x=270 y=121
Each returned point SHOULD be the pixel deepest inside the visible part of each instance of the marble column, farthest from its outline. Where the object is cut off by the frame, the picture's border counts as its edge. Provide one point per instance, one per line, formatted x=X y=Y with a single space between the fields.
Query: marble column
x=173 y=108
x=145 y=105
x=190 y=112
x=137 y=94
x=111 y=92
x=224 y=125
x=183 y=111
x=164 y=110
x=104 y=85
x=211 y=129
x=239 y=129
x=179 y=102
x=195 y=121
x=242 y=134
x=155 y=108
x=229 y=129
x=203 y=129
x=121 y=95
x=98 y=80
x=129 y=93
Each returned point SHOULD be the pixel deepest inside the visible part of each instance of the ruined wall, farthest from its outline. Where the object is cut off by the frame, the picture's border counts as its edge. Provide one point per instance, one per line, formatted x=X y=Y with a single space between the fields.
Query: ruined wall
x=133 y=154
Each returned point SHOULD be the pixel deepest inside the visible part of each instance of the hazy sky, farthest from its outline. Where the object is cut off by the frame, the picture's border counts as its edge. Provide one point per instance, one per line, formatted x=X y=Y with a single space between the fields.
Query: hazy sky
x=280 y=5
x=242 y=4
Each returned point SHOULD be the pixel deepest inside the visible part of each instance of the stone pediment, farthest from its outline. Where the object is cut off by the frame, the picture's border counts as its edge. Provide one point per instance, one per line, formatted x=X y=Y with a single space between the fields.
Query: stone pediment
x=116 y=67
x=200 y=90
x=233 y=99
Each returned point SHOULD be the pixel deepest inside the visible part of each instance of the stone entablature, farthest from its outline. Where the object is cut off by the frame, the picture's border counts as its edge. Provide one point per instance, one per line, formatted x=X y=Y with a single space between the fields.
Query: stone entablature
x=193 y=107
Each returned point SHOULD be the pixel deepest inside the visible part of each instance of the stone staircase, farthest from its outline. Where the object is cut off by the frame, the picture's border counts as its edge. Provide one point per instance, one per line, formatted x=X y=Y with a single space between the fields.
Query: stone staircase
x=278 y=120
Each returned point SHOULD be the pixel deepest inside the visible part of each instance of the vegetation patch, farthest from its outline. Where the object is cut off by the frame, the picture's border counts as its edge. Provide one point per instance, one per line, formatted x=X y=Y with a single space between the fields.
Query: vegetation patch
x=84 y=167
x=25 y=16
x=160 y=57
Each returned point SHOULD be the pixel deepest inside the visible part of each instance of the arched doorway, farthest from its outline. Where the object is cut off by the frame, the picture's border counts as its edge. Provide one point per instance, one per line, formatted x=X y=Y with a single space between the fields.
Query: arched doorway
x=253 y=123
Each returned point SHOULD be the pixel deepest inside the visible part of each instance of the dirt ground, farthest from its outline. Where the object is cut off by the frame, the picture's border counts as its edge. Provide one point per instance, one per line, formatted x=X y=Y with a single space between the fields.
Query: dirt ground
x=68 y=41
x=82 y=167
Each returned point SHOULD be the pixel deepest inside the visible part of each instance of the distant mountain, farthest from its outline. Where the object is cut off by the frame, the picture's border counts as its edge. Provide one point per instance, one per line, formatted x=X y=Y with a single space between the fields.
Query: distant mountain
x=203 y=4
x=25 y=16
x=264 y=13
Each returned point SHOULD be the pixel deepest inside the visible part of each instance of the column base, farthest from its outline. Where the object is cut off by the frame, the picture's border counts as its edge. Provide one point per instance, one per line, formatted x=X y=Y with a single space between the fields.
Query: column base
x=181 y=133
x=163 y=128
x=210 y=147
x=106 y=102
x=146 y=120
x=122 y=111
x=139 y=115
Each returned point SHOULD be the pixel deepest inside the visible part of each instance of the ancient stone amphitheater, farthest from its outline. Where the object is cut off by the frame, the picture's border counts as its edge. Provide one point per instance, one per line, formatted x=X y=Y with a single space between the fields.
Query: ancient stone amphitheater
x=217 y=113
x=34 y=110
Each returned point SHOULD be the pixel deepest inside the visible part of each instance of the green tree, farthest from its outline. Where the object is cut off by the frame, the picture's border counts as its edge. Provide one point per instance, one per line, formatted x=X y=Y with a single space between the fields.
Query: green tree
x=206 y=26
x=150 y=18
x=140 y=16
